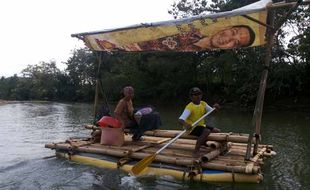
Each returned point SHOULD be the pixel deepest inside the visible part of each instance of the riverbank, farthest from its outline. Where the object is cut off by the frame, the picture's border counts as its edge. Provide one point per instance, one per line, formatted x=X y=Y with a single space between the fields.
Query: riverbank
x=2 y=102
x=300 y=104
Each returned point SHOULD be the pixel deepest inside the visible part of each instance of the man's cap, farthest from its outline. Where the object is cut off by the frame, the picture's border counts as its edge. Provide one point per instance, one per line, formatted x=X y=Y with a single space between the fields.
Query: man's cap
x=194 y=91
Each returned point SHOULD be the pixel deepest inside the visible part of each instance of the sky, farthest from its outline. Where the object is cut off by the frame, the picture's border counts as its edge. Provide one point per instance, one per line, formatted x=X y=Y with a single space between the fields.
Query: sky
x=39 y=30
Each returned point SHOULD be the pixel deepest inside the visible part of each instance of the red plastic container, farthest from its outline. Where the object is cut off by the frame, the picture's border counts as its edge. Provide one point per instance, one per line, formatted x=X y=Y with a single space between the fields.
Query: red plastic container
x=106 y=121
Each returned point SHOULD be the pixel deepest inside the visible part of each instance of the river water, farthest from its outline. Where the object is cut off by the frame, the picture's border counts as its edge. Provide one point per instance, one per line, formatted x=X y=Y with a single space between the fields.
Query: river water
x=26 y=164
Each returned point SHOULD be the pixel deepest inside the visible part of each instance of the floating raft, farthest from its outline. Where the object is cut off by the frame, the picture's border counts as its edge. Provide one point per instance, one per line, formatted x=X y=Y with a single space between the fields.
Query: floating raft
x=221 y=159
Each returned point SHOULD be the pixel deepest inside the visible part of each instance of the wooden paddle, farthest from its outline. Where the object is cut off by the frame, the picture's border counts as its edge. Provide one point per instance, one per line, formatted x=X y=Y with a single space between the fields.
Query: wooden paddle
x=137 y=168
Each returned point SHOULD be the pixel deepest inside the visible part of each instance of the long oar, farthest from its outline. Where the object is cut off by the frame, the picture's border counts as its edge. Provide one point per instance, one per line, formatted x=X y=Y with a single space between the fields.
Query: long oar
x=136 y=169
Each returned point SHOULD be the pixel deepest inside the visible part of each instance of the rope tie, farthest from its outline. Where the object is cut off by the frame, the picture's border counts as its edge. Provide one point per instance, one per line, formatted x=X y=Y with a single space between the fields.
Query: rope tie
x=226 y=137
x=191 y=172
x=200 y=171
x=122 y=161
x=233 y=175
x=71 y=150
x=184 y=174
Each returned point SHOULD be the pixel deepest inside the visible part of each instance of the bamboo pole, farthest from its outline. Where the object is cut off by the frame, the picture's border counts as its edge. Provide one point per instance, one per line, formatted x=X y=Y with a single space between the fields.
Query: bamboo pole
x=211 y=155
x=99 y=58
x=181 y=175
x=179 y=160
x=230 y=137
x=214 y=144
x=182 y=146
x=231 y=157
x=171 y=152
x=251 y=165
x=149 y=145
x=228 y=163
x=121 y=153
x=185 y=144
x=257 y=115
x=226 y=167
x=92 y=127
x=236 y=152
x=181 y=141
x=77 y=143
x=146 y=146
x=242 y=148
x=258 y=155
x=285 y=4
x=236 y=160
x=270 y=154
x=245 y=145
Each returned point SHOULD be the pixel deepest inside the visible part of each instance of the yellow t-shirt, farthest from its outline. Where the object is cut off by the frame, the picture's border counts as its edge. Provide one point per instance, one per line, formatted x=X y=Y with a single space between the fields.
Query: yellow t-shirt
x=196 y=112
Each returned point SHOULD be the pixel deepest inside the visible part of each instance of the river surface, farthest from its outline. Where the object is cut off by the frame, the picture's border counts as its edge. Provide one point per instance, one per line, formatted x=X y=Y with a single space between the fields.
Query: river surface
x=26 y=164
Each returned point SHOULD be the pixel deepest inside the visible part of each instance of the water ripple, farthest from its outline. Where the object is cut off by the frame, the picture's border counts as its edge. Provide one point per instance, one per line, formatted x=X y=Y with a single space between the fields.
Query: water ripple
x=26 y=127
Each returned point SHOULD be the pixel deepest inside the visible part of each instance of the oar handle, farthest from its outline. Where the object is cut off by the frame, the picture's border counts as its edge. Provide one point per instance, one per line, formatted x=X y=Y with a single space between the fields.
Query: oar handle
x=171 y=141
x=205 y=115
x=180 y=134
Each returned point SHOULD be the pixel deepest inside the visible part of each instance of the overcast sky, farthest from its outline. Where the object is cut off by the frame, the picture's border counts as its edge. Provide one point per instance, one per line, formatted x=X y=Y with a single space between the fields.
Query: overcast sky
x=39 y=30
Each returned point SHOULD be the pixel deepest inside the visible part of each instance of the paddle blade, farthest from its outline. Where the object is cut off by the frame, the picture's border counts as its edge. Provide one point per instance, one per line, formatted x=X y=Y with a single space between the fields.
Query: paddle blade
x=138 y=167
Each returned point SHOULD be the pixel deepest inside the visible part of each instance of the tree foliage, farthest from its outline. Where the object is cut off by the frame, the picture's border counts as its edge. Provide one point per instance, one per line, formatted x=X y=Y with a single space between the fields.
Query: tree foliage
x=225 y=76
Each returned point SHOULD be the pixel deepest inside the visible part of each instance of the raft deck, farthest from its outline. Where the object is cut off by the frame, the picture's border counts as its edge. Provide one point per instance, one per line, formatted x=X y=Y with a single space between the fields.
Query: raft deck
x=223 y=155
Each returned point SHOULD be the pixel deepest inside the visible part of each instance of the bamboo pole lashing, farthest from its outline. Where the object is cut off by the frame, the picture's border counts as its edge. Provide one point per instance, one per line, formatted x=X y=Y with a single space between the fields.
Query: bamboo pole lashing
x=120 y=153
x=270 y=154
x=250 y=166
x=160 y=158
x=258 y=155
x=228 y=177
x=238 y=150
x=234 y=150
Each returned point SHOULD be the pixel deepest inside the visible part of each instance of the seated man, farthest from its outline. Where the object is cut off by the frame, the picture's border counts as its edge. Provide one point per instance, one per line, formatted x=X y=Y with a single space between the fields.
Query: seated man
x=143 y=120
x=124 y=108
x=192 y=112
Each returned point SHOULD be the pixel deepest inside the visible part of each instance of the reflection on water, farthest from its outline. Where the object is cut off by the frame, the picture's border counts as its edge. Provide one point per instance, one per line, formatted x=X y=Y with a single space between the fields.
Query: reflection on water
x=25 y=163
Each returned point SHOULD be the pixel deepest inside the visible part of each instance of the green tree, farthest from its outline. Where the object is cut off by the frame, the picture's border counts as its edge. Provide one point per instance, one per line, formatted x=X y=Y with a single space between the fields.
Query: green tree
x=235 y=74
x=81 y=71
x=44 y=80
x=8 y=87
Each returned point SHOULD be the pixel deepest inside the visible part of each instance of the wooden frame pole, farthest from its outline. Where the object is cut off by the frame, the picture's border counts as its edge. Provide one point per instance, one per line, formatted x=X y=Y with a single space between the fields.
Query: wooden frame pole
x=99 y=59
x=257 y=115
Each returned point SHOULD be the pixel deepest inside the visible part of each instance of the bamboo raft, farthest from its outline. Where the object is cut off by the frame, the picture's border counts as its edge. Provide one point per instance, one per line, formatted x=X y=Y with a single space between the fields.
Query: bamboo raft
x=222 y=158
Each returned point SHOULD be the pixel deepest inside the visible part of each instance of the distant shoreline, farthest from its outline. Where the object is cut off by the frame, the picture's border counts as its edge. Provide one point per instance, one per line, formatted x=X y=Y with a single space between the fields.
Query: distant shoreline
x=23 y=101
x=304 y=106
x=3 y=102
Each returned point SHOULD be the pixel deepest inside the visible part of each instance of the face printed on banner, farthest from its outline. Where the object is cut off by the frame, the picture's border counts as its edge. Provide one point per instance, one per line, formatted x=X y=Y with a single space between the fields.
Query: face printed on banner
x=234 y=37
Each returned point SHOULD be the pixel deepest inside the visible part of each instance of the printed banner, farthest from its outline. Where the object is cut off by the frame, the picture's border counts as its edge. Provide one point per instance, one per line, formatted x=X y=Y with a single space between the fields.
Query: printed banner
x=226 y=30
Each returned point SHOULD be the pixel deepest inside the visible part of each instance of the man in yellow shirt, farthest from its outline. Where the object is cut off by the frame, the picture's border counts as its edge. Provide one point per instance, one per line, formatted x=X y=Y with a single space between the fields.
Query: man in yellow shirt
x=192 y=112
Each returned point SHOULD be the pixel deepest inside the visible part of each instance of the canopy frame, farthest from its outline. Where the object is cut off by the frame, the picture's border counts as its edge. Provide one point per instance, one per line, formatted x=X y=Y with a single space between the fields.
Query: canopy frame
x=272 y=28
x=257 y=115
